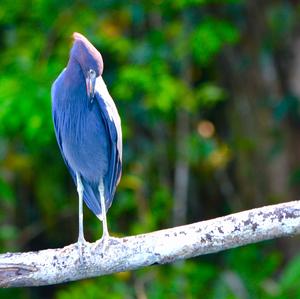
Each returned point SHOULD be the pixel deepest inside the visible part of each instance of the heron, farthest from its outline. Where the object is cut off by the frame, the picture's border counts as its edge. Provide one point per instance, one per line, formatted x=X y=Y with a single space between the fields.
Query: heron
x=88 y=131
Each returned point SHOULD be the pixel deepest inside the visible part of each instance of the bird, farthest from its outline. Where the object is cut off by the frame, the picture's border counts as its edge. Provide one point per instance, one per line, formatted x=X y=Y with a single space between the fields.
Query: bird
x=88 y=131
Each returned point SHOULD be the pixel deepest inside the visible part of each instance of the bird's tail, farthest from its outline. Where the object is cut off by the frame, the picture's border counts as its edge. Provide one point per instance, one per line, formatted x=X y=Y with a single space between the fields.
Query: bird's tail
x=91 y=197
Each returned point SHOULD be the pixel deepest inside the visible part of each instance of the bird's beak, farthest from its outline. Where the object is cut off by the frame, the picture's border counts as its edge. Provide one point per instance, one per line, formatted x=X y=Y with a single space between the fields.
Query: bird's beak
x=90 y=85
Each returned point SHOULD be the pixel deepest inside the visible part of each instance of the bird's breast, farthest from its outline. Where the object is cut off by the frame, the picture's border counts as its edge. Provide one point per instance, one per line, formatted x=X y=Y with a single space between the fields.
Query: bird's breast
x=85 y=141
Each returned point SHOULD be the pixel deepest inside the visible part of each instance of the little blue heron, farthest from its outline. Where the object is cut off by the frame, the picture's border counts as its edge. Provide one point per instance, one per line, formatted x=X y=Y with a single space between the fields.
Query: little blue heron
x=88 y=130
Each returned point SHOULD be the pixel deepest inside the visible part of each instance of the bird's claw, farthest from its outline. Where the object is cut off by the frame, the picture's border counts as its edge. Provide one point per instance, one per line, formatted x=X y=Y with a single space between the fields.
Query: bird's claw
x=81 y=245
x=103 y=243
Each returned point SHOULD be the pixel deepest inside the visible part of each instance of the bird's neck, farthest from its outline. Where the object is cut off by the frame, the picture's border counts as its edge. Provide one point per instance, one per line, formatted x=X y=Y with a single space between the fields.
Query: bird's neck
x=75 y=86
x=73 y=72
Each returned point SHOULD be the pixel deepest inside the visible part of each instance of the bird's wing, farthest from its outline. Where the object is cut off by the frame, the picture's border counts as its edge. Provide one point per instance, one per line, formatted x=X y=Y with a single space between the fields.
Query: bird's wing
x=55 y=116
x=112 y=122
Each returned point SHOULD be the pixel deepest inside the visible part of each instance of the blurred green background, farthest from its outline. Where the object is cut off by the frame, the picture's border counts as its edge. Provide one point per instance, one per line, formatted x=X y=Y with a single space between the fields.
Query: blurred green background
x=208 y=92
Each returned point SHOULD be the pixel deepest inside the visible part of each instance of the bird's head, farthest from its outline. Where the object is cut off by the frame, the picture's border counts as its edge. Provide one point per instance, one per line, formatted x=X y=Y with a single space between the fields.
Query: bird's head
x=90 y=61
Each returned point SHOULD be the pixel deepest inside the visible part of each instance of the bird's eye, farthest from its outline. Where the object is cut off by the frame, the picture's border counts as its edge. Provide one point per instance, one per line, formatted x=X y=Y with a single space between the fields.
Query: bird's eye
x=92 y=73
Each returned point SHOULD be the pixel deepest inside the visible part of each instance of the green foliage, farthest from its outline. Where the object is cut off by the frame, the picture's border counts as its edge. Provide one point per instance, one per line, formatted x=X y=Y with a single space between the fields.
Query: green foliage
x=186 y=3
x=289 y=282
x=155 y=86
x=210 y=37
x=244 y=263
x=98 y=288
x=161 y=57
x=209 y=94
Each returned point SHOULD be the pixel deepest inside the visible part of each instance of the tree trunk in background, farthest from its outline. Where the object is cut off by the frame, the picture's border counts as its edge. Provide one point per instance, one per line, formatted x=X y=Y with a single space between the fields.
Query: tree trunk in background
x=290 y=73
x=255 y=83
x=181 y=180
x=292 y=125
x=181 y=176
x=258 y=82
x=249 y=119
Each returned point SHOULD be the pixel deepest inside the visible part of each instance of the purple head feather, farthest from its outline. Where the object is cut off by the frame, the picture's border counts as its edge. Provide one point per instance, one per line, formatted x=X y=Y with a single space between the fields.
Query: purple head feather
x=86 y=54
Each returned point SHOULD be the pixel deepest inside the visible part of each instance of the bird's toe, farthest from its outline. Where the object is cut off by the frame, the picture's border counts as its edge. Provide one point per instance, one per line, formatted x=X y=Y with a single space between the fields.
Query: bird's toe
x=102 y=245
x=81 y=246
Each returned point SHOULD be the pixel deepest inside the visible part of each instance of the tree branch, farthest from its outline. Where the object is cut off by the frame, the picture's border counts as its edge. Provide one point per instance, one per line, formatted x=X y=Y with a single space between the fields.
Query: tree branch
x=54 y=266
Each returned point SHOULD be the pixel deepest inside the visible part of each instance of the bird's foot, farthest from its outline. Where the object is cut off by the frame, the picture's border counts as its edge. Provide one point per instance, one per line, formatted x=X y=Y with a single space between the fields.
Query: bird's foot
x=81 y=245
x=103 y=243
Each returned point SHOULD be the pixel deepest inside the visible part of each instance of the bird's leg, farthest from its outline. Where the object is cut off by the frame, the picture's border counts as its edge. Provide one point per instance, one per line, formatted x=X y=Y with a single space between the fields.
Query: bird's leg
x=105 y=235
x=103 y=209
x=81 y=241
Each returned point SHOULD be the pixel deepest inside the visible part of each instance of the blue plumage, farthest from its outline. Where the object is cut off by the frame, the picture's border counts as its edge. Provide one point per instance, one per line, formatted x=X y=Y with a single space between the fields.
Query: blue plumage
x=88 y=128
